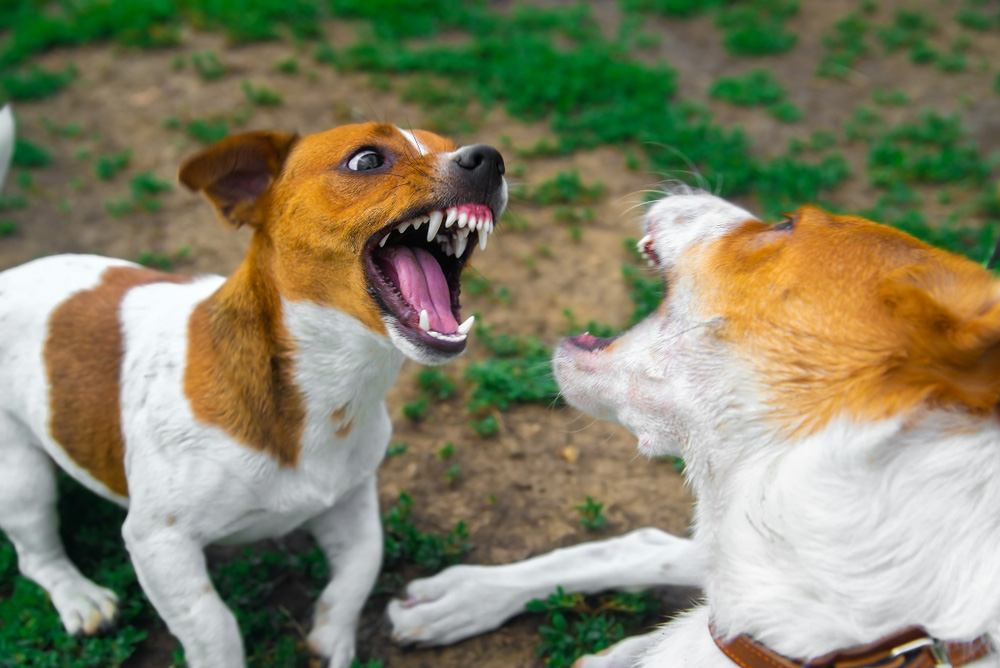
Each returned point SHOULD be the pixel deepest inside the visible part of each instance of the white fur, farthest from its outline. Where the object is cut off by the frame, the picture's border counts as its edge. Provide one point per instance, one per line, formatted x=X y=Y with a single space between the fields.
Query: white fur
x=412 y=138
x=808 y=545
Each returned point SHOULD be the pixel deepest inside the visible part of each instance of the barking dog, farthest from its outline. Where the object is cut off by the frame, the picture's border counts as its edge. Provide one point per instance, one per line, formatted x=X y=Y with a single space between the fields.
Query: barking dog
x=229 y=410
x=832 y=385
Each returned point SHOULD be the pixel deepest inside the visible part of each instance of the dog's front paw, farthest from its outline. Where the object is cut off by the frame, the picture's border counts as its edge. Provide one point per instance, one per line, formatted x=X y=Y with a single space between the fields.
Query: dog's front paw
x=458 y=603
x=331 y=644
x=85 y=608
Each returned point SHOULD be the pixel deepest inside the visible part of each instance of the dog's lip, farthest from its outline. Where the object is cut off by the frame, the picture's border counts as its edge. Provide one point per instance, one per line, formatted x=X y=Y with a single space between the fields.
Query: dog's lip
x=647 y=249
x=592 y=344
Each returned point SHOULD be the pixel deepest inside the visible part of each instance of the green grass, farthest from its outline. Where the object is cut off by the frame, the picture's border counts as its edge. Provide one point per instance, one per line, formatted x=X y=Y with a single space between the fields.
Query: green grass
x=107 y=166
x=592 y=515
x=29 y=155
x=574 y=624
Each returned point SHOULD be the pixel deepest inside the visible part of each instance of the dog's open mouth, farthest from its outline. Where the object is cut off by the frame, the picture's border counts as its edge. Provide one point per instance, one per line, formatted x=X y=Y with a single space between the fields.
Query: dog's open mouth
x=591 y=343
x=414 y=267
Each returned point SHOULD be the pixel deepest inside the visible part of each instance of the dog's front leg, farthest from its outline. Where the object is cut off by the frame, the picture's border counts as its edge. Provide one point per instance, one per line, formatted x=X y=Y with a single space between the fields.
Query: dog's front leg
x=350 y=534
x=171 y=568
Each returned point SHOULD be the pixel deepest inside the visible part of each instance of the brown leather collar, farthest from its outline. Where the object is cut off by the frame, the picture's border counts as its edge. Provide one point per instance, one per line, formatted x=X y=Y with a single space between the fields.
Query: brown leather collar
x=909 y=648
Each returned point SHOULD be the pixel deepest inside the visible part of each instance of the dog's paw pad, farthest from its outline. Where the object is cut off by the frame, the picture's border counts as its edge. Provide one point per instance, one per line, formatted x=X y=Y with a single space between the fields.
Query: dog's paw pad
x=85 y=608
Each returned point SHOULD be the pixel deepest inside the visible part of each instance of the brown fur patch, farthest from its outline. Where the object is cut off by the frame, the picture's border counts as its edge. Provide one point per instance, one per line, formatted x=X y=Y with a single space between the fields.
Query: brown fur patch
x=345 y=430
x=338 y=415
x=83 y=355
x=239 y=372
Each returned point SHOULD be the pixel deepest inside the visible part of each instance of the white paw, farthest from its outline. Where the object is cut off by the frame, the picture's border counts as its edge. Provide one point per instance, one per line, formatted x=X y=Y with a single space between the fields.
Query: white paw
x=458 y=603
x=85 y=608
x=333 y=642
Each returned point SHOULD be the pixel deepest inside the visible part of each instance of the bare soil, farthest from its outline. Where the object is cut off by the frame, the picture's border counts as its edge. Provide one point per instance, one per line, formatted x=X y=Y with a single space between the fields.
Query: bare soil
x=516 y=491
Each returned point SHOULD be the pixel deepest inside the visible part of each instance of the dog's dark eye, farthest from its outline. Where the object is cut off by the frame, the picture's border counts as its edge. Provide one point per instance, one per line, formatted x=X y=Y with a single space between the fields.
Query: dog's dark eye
x=786 y=224
x=364 y=160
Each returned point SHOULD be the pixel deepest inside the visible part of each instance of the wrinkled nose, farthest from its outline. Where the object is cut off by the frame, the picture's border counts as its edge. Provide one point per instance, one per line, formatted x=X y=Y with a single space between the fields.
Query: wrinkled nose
x=482 y=161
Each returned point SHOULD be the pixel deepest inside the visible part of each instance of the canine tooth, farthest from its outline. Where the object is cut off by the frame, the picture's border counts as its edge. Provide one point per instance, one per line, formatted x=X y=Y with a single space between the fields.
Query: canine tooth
x=463 y=218
x=451 y=218
x=403 y=227
x=382 y=243
x=434 y=224
x=425 y=321
x=464 y=328
x=461 y=241
x=483 y=236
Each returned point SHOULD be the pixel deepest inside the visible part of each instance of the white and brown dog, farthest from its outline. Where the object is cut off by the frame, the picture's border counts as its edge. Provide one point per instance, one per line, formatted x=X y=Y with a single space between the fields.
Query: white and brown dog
x=833 y=386
x=228 y=410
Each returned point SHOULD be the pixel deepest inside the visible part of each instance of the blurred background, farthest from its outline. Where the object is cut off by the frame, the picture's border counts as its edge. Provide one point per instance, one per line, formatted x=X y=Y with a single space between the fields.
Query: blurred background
x=885 y=108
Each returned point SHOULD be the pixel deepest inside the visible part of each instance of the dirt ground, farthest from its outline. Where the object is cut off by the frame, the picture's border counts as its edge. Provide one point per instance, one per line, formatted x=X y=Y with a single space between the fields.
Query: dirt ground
x=516 y=491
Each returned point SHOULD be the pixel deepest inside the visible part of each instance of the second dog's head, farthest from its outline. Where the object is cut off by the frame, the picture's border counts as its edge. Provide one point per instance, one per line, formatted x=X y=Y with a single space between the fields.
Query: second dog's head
x=374 y=221
x=781 y=327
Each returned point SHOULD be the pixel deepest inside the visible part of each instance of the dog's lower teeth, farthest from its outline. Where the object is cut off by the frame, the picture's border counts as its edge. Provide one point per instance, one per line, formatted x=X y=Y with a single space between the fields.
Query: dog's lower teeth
x=425 y=321
x=464 y=328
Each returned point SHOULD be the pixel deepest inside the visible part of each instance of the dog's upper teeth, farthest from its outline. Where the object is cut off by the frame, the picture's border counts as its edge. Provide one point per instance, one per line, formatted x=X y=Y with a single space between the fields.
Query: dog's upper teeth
x=434 y=224
x=403 y=227
x=451 y=217
x=483 y=236
x=417 y=222
x=462 y=219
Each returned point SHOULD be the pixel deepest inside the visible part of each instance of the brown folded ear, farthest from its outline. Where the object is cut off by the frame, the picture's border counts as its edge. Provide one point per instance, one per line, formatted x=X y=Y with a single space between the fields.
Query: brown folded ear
x=950 y=316
x=236 y=171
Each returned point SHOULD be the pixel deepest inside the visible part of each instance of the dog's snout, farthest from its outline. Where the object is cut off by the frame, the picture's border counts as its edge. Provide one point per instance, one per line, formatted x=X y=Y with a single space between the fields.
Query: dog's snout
x=480 y=159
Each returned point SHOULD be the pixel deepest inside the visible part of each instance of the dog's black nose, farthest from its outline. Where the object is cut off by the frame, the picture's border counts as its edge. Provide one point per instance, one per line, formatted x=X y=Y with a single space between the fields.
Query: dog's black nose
x=482 y=160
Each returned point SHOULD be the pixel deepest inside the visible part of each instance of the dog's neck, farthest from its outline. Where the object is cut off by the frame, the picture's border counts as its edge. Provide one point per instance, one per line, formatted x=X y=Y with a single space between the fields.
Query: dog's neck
x=856 y=532
x=267 y=368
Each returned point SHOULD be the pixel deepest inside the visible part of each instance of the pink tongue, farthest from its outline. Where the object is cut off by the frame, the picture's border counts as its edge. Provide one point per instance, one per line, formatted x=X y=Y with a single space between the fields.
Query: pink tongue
x=422 y=283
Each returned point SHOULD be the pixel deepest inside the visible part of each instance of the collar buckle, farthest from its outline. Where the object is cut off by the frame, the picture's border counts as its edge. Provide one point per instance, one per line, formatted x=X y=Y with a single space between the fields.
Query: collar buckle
x=937 y=649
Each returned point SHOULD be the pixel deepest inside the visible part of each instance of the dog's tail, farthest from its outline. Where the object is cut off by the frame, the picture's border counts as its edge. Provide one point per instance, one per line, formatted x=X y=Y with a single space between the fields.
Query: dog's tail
x=6 y=141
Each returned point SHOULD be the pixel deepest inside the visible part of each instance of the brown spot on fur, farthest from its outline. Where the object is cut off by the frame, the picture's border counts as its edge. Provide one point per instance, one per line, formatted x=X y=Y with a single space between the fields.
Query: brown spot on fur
x=239 y=372
x=338 y=415
x=171 y=520
x=83 y=356
x=345 y=430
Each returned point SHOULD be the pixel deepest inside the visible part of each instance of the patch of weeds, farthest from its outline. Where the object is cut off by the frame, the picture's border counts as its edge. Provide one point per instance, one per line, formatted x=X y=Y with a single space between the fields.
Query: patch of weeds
x=207 y=132
x=953 y=61
x=145 y=187
x=436 y=383
x=592 y=515
x=865 y=124
x=933 y=150
x=416 y=410
x=208 y=66
x=845 y=46
x=7 y=228
x=488 y=426
x=890 y=98
x=29 y=155
x=819 y=140
x=575 y=624
x=451 y=473
x=107 y=166
x=11 y=202
x=69 y=131
x=406 y=545
x=518 y=370
x=396 y=449
x=446 y=451
x=448 y=108
x=261 y=96
x=36 y=83
x=909 y=28
x=287 y=65
x=757 y=27
x=678 y=8
x=757 y=87
x=974 y=20
x=479 y=285
x=565 y=188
